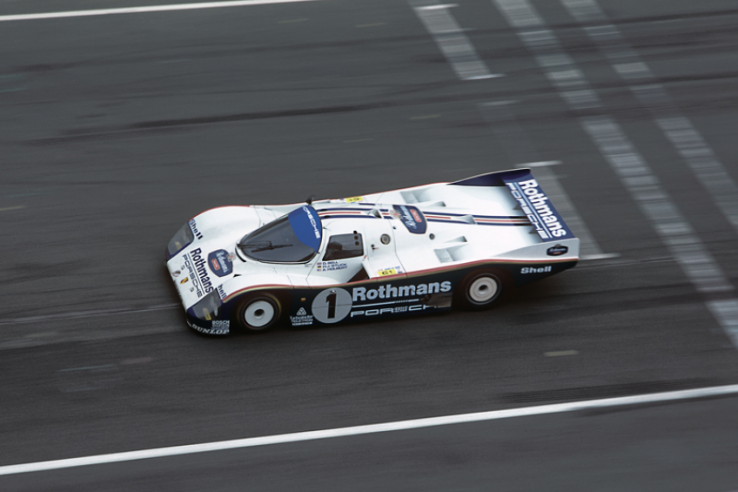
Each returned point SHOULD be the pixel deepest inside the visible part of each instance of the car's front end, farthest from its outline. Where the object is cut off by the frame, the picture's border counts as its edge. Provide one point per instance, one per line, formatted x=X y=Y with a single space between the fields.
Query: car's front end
x=200 y=260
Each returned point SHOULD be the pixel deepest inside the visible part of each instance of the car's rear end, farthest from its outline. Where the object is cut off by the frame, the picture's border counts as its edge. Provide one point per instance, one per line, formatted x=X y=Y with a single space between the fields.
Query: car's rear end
x=542 y=246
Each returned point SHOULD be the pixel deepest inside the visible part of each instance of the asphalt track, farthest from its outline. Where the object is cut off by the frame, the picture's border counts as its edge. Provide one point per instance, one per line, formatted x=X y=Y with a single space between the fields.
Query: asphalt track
x=117 y=129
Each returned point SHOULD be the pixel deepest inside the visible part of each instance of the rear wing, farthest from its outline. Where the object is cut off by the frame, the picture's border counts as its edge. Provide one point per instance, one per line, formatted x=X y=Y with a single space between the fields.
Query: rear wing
x=531 y=199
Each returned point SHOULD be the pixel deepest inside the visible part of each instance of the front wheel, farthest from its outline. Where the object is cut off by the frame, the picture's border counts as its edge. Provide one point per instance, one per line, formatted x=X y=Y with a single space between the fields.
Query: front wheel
x=258 y=313
x=480 y=290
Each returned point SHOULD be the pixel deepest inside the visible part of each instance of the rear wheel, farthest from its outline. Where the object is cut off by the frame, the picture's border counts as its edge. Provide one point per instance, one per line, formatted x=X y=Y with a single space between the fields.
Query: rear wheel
x=258 y=313
x=480 y=289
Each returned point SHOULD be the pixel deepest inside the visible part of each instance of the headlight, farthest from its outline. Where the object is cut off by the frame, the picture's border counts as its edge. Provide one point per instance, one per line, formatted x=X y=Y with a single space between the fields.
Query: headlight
x=207 y=308
x=180 y=241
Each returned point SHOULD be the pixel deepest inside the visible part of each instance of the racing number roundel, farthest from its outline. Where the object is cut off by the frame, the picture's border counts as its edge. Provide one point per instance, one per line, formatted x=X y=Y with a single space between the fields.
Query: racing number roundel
x=332 y=305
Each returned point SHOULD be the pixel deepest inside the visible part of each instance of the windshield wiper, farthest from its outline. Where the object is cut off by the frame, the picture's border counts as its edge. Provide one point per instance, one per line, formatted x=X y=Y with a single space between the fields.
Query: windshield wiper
x=264 y=246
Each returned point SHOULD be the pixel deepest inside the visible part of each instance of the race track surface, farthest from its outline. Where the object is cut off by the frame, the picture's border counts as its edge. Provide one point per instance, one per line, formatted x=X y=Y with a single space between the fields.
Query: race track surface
x=116 y=129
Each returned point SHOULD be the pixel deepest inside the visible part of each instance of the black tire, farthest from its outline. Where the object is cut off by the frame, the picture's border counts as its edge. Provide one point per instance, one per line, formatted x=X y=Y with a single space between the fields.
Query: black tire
x=480 y=290
x=258 y=313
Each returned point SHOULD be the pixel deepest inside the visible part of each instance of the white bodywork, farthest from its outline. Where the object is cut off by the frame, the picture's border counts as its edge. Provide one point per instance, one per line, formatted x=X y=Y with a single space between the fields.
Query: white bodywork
x=465 y=224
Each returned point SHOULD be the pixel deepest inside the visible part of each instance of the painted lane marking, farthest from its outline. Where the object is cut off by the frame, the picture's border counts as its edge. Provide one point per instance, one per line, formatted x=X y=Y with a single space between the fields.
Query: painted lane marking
x=653 y=200
x=628 y=164
x=85 y=314
x=677 y=128
x=88 y=368
x=588 y=247
x=142 y=10
x=603 y=256
x=138 y=360
x=451 y=40
x=561 y=353
x=369 y=429
x=542 y=164
x=500 y=116
x=726 y=312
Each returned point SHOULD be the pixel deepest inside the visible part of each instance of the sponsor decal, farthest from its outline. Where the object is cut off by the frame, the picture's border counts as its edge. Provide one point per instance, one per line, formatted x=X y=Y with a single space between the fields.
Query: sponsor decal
x=544 y=269
x=184 y=280
x=387 y=271
x=331 y=305
x=195 y=264
x=219 y=327
x=354 y=199
x=331 y=266
x=176 y=273
x=313 y=222
x=220 y=263
x=336 y=304
x=306 y=224
x=557 y=250
x=221 y=292
x=301 y=318
x=411 y=217
x=390 y=310
x=195 y=231
x=542 y=215
x=391 y=292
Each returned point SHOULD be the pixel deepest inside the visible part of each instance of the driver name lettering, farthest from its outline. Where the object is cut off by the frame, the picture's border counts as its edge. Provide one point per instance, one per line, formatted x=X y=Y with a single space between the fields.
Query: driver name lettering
x=391 y=292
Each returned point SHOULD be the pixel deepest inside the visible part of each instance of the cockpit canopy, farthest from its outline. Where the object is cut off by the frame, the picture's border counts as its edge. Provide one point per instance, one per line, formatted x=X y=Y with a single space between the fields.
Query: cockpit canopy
x=293 y=238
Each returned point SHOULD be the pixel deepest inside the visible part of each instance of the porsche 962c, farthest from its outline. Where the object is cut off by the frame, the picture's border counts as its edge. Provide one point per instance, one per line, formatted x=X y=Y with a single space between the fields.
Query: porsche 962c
x=416 y=250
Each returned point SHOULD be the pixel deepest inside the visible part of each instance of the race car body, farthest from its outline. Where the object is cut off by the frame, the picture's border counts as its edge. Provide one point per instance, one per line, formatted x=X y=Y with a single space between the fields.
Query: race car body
x=414 y=250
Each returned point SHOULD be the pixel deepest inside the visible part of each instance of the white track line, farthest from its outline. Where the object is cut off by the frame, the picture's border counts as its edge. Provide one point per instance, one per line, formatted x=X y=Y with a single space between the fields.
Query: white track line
x=369 y=429
x=628 y=164
x=451 y=40
x=680 y=131
x=85 y=314
x=500 y=116
x=141 y=10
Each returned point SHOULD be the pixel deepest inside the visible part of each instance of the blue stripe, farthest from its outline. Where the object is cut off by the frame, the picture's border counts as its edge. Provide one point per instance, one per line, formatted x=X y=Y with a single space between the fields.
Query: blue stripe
x=446 y=221
x=352 y=209
x=519 y=224
x=479 y=216
x=348 y=217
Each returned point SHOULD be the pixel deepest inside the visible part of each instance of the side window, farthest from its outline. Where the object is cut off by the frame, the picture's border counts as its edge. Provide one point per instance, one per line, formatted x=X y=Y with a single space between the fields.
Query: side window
x=344 y=246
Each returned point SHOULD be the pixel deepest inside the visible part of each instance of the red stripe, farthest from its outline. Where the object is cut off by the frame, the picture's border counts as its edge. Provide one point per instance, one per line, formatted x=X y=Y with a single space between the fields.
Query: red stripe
x=408 y=275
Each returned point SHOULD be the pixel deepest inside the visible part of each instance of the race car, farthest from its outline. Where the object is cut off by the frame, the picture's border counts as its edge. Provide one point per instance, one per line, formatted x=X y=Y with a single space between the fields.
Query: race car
x=423 y=249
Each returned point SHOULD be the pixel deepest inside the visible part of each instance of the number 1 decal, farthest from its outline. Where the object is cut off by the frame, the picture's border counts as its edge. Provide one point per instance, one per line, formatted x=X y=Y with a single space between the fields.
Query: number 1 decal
x=332 y=305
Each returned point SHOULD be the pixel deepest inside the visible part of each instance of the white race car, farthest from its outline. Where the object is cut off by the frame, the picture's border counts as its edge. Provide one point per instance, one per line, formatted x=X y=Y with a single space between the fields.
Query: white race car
x=415 y=250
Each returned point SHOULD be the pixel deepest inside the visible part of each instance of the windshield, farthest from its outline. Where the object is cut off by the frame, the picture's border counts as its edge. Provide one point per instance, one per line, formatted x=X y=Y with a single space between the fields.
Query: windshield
x=294 y=238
